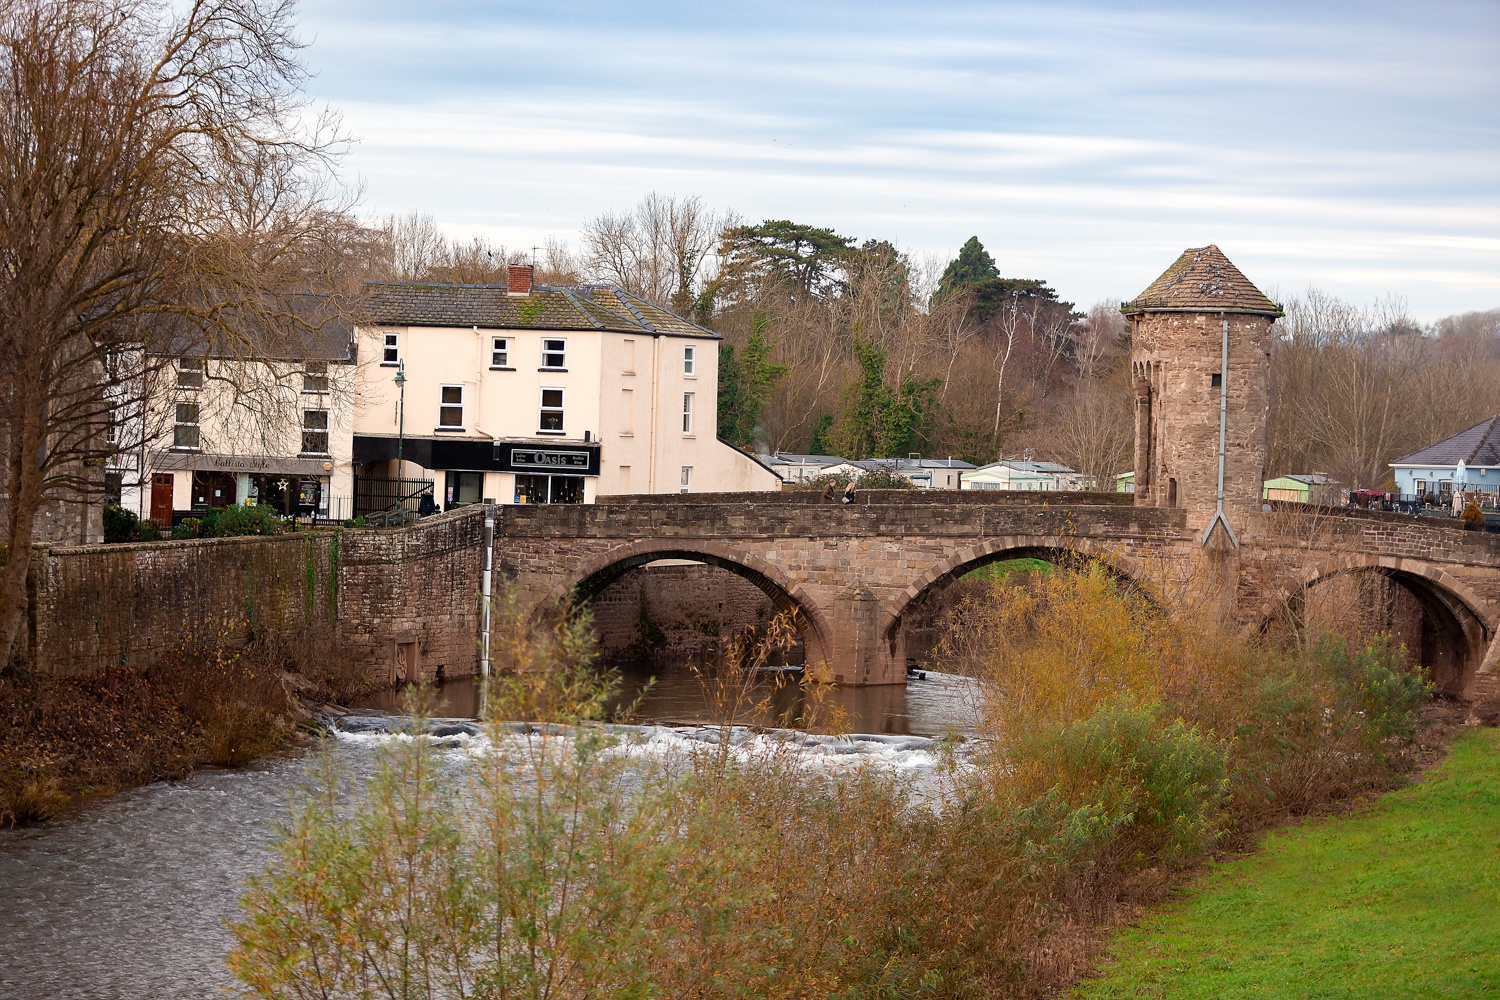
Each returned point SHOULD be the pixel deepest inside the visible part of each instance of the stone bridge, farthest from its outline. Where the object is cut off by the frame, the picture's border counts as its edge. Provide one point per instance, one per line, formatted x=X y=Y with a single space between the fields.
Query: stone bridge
x=856 y=572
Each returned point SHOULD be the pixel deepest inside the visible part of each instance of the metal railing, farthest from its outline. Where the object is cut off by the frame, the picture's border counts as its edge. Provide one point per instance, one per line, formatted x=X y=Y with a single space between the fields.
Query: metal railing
x=374 y=495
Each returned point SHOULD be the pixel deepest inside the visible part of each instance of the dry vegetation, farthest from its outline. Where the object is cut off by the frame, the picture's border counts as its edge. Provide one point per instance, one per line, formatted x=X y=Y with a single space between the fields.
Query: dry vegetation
x=559 y=862
x=208 y=701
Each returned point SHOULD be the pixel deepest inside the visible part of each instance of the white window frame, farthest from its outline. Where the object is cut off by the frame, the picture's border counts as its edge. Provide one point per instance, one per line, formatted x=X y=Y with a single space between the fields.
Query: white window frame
x=390 y=349
x=306 y=430
x=562 y=354
x=687 y=414
x=560 y=409
x=686 y=483
x=315 y=377
x=443 y=404
x=690 y=361
x=196 y=423
x=500 y=354
x=190 y=373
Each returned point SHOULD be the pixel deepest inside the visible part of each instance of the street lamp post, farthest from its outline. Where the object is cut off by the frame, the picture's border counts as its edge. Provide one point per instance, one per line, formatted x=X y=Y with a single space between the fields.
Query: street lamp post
x=400 y=381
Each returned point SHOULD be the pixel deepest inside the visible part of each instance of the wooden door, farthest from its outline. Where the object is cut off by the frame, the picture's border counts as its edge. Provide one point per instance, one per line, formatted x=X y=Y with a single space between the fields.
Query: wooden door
x=161 y=499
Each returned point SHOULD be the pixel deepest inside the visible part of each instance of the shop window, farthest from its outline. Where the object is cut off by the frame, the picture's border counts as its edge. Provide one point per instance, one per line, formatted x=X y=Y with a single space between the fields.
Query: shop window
x=189 y=373
x=687 y=413
x=687 y=479
x=451 y=408
x=185 y=431
x=315 y=432
x=392 y=354
x=549 y=489
x=554 y=355
x=690 y=361
x=500 y=352
x=213 y=489
x=315 y=376
x=552 y=412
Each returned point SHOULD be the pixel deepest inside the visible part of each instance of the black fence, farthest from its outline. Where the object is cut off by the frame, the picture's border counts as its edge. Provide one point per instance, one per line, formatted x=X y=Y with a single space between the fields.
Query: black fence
x=375 y=495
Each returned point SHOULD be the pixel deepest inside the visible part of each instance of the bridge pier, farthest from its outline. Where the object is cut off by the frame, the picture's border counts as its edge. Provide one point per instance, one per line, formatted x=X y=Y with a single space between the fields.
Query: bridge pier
x=860 y=657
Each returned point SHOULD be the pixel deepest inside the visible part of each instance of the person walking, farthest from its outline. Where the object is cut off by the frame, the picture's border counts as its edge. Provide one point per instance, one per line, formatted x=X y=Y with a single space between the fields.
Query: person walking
x=849 y=492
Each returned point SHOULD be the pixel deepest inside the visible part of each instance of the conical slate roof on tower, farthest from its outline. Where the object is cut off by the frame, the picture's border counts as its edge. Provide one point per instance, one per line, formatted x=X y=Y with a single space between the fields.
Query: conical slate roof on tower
x=1202 y=280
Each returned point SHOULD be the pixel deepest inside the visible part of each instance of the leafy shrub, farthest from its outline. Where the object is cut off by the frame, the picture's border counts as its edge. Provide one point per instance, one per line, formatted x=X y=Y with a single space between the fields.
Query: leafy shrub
x=1137 y=773
x=147 y=531
x=232 y=521
x=1473 y=517
x=120 y=525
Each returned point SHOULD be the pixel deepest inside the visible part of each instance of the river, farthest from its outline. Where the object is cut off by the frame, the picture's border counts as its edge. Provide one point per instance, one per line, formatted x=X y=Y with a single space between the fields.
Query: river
x=128 y=897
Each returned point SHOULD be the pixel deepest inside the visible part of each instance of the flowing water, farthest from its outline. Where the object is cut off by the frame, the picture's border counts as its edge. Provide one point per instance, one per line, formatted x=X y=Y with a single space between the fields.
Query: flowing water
x=128 y=897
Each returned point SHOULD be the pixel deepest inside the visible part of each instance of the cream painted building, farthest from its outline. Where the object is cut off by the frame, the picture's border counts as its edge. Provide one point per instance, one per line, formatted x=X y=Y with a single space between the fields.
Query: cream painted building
x=276 y=432
x=525 y=394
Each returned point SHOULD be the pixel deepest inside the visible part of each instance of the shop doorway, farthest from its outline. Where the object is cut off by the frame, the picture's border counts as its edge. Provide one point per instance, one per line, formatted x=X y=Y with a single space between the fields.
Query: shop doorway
x=161 y=499
x=213 y=489
x=463 y=488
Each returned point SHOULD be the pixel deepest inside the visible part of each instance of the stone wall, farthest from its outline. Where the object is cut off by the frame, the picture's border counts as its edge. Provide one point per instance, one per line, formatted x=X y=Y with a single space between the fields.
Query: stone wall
x=683 y=607
x=99 y=607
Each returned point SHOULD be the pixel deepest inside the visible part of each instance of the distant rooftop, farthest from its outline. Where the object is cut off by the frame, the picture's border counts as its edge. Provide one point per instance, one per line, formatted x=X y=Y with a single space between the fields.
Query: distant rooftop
x=1477 y=446
x=1202 y=280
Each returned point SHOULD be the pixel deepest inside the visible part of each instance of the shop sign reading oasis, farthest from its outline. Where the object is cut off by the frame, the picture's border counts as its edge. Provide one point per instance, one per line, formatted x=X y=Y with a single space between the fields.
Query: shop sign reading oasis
x=535 y=458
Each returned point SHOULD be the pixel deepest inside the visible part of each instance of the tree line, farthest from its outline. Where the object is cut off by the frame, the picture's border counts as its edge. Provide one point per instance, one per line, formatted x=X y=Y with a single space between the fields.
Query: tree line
x=835 y=345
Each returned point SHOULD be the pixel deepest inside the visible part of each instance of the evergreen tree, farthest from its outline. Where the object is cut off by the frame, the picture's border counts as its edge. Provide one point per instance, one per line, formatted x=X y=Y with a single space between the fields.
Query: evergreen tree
x=972 y=267
x=881 y=422
x=746 y=381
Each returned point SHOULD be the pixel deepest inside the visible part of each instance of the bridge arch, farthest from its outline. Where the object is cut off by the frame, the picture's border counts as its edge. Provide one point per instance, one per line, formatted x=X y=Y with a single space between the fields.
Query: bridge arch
x=1051 y=548
x=785 y=593
x=1457 y=626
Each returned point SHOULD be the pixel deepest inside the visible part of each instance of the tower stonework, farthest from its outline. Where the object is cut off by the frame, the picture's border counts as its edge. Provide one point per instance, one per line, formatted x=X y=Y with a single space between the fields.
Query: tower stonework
x=1177 y=328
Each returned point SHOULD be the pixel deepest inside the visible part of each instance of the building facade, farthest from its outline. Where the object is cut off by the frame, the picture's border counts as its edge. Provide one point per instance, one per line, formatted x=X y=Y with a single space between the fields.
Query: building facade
x=523 y=394
x=1467 y=461
x=221 y=431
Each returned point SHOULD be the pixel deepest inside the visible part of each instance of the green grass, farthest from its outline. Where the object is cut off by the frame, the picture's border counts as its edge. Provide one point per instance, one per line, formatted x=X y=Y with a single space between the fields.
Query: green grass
x=1398 y=900
x=1004 y=569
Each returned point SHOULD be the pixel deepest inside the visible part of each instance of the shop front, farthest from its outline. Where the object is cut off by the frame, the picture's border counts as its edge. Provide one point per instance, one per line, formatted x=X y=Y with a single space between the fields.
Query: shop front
x=517 y=471
x=183 y=482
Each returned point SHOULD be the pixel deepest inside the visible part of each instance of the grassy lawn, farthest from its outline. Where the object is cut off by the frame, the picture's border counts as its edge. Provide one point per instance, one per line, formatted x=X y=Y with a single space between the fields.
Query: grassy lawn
x=1399 y=900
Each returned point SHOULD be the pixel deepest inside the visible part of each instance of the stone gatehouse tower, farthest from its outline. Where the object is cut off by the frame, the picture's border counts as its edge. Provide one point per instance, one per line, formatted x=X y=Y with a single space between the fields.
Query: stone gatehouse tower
x=1182 y=327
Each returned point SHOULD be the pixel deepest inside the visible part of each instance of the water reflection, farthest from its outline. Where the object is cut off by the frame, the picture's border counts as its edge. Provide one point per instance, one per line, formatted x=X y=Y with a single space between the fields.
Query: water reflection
x=672 y=694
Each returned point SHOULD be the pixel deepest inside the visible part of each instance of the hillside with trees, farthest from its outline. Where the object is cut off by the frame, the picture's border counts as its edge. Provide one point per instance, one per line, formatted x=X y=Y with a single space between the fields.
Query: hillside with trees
x=836 y=344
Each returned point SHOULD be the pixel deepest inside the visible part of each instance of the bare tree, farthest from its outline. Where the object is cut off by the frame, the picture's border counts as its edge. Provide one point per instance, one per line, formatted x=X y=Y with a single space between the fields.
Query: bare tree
x=161 y=196
x=657 y=250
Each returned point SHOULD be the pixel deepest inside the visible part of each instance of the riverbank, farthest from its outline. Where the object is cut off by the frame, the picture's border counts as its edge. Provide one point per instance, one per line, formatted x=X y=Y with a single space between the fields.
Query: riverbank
x=1394 y=899
x=204 y=703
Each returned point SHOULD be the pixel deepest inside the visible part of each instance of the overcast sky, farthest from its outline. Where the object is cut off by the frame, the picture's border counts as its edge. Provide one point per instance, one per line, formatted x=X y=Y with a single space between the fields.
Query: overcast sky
x=1354 y=147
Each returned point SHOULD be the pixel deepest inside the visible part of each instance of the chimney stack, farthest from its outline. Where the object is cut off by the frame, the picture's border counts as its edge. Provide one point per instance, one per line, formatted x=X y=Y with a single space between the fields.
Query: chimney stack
x=519 y=276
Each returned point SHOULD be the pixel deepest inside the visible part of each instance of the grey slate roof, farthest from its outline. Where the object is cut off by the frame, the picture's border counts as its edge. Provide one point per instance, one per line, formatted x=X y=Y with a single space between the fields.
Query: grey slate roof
x=1202 y=279
x=579 y=307
x=1479 y=445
